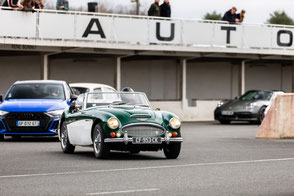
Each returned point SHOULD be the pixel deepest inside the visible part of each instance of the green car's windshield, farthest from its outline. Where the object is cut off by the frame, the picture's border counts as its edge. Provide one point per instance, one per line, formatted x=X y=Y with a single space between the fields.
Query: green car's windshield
x=256 y=95
x=116 y=98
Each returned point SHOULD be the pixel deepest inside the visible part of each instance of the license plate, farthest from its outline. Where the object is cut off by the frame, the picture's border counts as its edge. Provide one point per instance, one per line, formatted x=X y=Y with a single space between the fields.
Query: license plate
x=28 y=123
x=147 y=140
x=227 y=113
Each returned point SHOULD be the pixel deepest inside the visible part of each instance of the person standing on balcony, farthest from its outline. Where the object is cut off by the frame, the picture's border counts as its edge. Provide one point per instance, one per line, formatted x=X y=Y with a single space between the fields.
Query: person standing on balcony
x=154 y=9
x=241 y=16
x=27 y=5
x=165 y=10
x=62 y=5
x=231 y=16
x=12 y=4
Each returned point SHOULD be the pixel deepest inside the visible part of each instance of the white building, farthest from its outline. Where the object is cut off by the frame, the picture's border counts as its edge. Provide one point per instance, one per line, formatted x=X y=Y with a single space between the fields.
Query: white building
x=184 y=66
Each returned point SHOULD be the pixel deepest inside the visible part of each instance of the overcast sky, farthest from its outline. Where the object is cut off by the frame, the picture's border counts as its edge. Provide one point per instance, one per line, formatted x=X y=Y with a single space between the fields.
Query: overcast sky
x=257 y=10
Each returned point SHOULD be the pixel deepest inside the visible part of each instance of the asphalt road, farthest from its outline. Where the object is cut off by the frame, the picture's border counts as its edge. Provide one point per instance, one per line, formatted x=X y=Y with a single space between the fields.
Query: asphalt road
x=215 y=160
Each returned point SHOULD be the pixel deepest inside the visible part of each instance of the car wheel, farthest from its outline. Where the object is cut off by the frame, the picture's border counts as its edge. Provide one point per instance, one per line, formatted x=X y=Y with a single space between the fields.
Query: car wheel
x=225 y=122
x=172 y=151
x=65 y=144
x=1 y=137
x=101 y=149
x=261 y=115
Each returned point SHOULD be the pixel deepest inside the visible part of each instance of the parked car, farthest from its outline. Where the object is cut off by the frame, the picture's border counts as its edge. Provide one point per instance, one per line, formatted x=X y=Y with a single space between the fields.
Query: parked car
x=121 y=121
x=249 y=107
x=81 y=88
x=33 y=108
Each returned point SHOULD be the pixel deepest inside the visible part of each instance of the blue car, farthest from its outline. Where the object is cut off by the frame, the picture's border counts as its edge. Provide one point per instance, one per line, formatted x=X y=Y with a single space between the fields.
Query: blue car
x=33 y=108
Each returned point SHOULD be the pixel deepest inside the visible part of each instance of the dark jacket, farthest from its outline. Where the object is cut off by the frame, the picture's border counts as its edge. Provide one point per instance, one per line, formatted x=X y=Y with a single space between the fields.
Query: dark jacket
x=229 y=17
x=165 y=10
x=62 y=3
x=154 y=10
x=10 y=3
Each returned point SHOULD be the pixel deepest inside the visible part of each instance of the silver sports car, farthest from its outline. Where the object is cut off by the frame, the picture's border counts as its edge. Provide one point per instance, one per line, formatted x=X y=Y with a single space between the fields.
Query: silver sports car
x=249 y=107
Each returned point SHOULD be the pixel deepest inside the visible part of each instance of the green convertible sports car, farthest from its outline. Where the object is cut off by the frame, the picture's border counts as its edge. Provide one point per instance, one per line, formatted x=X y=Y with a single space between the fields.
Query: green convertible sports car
x=119 y=121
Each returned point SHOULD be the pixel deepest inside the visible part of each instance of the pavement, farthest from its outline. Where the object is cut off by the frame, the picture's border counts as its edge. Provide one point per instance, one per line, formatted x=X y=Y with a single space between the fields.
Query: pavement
x=215 y=160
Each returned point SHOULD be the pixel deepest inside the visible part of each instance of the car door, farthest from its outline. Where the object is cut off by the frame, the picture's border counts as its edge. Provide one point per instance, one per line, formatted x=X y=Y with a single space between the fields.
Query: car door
x=80 y=125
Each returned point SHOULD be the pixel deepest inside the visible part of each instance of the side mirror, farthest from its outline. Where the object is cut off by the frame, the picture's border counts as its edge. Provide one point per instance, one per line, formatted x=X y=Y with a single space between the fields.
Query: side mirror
x=73 y=97
x=1 y=98
x=72 y=107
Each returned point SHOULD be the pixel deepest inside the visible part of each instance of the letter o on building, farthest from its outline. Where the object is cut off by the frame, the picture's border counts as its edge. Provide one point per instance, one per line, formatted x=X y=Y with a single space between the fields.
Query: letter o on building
x=283 y=44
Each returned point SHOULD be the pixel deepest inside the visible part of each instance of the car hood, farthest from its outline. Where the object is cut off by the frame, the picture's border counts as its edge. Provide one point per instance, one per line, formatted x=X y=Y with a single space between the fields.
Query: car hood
x=128 y=115
x=237 y=104
x=32 y=105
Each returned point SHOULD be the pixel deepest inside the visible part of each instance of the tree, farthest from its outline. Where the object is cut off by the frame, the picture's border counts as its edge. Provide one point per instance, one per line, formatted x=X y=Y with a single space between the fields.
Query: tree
x=212 y=16
x=280 y=17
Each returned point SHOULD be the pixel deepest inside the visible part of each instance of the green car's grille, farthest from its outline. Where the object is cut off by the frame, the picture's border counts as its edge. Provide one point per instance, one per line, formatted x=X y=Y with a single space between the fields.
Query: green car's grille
x=143 y=131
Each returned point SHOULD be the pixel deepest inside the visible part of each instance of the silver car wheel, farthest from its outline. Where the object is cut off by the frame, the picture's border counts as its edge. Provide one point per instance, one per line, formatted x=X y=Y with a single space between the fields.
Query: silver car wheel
x=97 y=142
x=64 y=137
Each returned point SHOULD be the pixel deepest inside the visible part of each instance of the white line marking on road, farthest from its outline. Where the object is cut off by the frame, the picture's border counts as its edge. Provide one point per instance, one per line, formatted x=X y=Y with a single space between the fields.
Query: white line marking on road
x=123 y=192
x=147 y=168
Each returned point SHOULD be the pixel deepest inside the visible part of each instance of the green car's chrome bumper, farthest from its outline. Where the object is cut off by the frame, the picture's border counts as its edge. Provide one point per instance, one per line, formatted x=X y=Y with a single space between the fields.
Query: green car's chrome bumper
x=130 y=140
x=167 y=139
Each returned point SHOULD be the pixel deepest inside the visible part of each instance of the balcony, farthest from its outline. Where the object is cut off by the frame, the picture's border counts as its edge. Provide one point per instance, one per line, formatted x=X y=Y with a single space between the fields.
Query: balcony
x=51 y=28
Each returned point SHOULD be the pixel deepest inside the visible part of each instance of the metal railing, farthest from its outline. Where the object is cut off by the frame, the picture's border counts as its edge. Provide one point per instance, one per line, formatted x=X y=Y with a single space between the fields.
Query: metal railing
x=91 y=28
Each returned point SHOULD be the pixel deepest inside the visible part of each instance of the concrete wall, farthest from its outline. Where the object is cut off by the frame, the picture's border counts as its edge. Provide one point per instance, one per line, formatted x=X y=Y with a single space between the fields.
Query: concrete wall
x=212 y=80
x=268 y=76
x=16 y=68
x=159 y=79
x=84 y=70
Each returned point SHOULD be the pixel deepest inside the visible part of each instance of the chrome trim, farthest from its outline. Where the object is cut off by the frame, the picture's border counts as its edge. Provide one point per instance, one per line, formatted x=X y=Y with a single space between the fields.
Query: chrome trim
x=130 y=140
x=150 y=124
x=141 y=116
x=167 y=137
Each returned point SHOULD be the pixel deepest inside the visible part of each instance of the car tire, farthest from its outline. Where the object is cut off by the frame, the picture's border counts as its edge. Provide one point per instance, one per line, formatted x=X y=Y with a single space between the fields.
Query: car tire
x=101 y=149
x=172 y=151
x=261 y=115
x=1 y=137
x=66 y=146
x=225 y=122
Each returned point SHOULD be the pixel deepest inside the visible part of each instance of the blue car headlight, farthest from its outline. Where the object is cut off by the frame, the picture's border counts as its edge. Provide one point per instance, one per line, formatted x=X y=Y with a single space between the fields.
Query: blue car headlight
x=55 y=113
x=3 y=113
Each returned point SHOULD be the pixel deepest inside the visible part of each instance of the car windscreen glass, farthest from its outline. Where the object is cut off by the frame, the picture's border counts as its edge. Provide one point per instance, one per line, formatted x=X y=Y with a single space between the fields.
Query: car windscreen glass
x=116 y=98
x=36 y=91
x=80 y=90
x=256 y=95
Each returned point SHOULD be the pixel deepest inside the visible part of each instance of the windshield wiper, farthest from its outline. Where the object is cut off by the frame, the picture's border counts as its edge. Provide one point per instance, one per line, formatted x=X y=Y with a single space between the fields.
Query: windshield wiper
x=145 y=106
x=118 y=103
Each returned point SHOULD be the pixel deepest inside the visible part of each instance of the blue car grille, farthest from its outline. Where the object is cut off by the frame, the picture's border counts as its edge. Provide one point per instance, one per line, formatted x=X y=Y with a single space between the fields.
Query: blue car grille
x=1 y=126
x=11 y=119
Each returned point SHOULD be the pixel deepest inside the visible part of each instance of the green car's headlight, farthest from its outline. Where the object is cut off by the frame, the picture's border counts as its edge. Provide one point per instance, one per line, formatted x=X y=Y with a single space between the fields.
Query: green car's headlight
x=113 y=123
x=175 y=123
x=2 y=113
x=55 y=113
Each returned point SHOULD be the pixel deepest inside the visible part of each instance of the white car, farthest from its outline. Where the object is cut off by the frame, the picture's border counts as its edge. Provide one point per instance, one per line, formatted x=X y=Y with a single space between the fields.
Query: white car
x=81 y=88
x=275 y=94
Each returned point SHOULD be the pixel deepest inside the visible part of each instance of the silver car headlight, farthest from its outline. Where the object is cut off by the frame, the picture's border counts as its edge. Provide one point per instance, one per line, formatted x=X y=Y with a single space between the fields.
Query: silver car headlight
x=220 y=104
x=2 y=113
x=250 y=106
x=175 y=123
x=113 y=123
x=55 y=113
